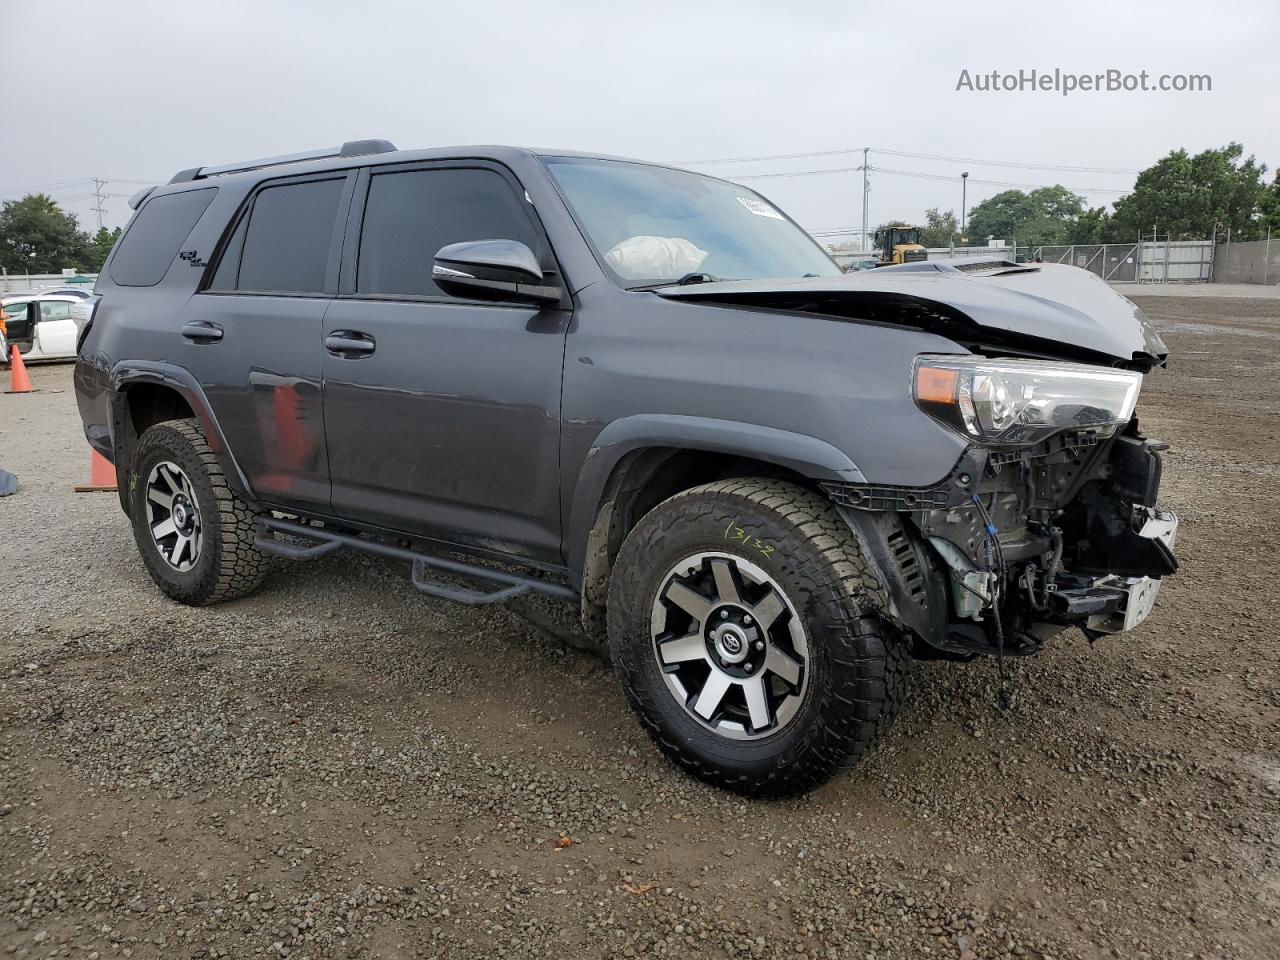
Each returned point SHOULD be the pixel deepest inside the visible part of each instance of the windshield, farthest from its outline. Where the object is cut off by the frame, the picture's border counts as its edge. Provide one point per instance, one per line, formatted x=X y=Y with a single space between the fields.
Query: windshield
x=653 y=225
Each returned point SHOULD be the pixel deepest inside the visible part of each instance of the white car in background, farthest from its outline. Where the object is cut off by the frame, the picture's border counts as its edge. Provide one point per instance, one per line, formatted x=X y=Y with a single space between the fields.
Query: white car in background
x=79 y=292
x=41 y=325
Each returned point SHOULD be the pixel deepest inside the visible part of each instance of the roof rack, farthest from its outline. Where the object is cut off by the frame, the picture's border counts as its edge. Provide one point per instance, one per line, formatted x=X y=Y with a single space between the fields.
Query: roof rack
x=352 y=148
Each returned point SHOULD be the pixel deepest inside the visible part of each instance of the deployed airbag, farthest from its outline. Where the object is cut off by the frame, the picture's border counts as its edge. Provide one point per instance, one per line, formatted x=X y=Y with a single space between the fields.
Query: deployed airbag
x=654 y=258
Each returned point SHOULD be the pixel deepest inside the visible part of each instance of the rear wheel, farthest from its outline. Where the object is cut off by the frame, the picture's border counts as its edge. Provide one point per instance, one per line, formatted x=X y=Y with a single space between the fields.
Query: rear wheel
x=744 y=621
x=195 y=536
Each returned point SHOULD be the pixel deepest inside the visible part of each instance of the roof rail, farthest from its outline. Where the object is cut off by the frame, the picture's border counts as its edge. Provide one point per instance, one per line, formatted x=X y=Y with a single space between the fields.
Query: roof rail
x=352 y=148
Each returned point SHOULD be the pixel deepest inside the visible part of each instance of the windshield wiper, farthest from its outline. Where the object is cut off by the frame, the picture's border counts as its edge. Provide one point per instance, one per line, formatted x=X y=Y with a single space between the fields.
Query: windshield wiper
x=686 y=280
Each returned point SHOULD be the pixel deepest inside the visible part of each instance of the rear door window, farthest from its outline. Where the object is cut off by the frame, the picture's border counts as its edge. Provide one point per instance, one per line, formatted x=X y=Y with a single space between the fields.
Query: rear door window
x=227 y=274
x=55 y=310
x=409 y=216
x=155 y=236
x=286 y=246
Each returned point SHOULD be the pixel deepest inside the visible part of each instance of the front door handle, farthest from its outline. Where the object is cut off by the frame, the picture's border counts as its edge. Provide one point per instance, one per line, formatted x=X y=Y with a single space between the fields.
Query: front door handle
x=349 y=343
x=201 y=331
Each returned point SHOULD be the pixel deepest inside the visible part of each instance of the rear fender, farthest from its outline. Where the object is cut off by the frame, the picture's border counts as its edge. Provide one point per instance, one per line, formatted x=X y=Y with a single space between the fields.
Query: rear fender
x=123 y=439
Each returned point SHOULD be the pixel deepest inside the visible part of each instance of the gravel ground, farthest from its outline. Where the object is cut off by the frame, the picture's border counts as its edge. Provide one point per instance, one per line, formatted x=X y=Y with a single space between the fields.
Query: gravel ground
x=1212 y=291
x=338 y=767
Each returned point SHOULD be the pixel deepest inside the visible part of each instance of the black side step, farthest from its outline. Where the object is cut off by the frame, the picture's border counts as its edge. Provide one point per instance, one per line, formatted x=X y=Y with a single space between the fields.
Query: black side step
x=326 y=541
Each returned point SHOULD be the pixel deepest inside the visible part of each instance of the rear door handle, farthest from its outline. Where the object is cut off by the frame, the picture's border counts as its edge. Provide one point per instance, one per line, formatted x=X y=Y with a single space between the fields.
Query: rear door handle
x=201 y=331
x=349 y=343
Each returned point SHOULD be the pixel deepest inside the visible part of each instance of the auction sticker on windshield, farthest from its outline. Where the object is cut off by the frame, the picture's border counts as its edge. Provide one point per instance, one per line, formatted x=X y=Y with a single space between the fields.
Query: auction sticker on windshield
x=760 y=208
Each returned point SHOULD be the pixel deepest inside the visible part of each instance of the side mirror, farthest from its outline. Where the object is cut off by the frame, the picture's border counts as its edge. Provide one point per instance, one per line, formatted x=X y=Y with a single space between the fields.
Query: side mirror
x=492 y=270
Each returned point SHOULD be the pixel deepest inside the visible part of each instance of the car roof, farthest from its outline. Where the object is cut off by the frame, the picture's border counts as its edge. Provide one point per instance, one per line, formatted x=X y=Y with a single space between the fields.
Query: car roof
x=272 y=168
x=37 y=295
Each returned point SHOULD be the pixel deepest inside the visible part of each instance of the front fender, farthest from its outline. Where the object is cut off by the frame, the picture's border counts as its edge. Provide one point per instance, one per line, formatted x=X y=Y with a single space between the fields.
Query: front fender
x=806 y=455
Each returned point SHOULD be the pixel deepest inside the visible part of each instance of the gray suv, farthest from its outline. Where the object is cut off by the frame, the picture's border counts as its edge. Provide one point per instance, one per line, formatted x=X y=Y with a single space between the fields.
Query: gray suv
x=766 y=484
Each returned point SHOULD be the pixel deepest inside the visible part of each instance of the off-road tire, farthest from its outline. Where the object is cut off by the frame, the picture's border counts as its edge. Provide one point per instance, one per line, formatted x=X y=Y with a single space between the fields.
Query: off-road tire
x=229 y=565
x=858 y=664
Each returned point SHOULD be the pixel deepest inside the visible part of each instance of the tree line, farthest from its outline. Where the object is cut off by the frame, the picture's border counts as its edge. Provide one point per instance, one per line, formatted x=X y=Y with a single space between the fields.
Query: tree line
x=38 y=236
x=1181 y=197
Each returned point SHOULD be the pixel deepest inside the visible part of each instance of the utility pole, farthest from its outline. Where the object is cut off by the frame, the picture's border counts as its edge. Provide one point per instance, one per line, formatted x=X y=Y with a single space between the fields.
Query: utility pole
x=1213 y=249
x=964 y=185
x=100 y=198
x=1266 y=257
x=866 y=189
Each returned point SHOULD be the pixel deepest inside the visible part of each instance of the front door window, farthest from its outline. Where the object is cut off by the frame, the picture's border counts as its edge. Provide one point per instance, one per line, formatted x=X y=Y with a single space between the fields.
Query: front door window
x=18 y=324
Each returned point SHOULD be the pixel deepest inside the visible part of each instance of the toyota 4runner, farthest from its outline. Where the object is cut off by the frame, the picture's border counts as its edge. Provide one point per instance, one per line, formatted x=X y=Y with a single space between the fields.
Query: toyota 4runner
x=767 y=483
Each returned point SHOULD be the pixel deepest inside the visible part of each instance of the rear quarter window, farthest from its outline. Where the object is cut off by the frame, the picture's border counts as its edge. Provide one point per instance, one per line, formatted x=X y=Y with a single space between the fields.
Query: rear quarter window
x=155 y=236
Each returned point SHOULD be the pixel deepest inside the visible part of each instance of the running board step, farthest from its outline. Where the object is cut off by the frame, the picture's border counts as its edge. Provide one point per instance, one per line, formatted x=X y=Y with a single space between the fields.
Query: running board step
x=473 y=598
x=327 y=541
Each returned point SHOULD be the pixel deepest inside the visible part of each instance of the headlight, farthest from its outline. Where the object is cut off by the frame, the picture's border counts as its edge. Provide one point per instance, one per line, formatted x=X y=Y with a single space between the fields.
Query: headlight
x=1021 y=402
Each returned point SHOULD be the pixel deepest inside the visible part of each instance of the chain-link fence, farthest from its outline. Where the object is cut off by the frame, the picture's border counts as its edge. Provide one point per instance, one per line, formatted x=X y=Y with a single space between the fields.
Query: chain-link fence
x=1158 y=261
x=1110 y=261
x=1153 y=261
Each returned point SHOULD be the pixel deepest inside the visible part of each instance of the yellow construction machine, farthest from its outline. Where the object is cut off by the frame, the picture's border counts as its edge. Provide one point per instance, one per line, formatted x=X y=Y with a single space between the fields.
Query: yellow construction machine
x=899 y=245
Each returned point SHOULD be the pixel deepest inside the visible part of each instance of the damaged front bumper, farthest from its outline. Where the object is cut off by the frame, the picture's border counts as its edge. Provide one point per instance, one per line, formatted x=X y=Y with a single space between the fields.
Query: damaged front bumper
x=1113 y=603
x=1013 y=548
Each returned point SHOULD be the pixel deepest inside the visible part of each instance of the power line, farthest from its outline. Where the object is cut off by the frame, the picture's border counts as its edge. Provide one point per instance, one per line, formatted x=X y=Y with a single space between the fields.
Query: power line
x=1005 y=163
x=775 y=156
x=801 y=173
x=994 y=183
x=921 y=175
x=99 y=194
x=60 y=184
x=907 y=153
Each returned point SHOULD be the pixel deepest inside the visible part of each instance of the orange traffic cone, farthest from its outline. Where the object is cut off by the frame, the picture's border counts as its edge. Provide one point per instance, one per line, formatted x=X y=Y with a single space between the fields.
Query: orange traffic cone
x=102 y=475
x=19 y=382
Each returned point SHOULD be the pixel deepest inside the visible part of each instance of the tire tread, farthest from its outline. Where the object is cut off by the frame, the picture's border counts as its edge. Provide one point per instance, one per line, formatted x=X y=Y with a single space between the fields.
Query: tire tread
x=863 y=649
x=238 y=566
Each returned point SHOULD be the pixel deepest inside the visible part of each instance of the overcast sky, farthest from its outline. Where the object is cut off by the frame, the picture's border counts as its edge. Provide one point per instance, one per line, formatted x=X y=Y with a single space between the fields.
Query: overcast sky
x=138 y=90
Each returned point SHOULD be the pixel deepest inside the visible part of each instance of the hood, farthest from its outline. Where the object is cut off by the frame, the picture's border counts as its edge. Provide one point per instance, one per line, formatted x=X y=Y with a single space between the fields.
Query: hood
x=1048 y=309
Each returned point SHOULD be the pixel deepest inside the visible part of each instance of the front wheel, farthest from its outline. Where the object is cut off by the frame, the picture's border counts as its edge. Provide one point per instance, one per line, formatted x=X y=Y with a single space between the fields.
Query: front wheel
x=194 y=534
x=743 y=619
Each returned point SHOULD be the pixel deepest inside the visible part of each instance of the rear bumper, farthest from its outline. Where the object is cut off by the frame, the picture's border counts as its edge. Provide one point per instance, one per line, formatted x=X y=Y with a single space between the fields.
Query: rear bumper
x=93 y=398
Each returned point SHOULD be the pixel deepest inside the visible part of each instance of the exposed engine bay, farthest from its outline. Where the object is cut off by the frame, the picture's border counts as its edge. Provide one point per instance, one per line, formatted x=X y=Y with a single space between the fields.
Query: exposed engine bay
x=1016 y=546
